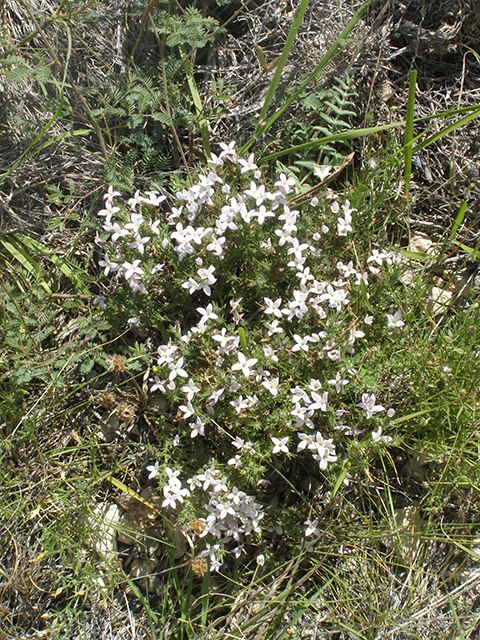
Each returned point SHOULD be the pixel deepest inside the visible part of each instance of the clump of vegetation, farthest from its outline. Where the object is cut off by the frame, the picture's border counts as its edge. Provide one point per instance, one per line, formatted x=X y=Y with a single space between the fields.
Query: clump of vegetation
x=246 y=387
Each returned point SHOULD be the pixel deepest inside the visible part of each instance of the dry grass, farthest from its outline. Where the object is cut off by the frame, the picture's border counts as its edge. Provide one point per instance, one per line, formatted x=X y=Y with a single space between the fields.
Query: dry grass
x=46 y=572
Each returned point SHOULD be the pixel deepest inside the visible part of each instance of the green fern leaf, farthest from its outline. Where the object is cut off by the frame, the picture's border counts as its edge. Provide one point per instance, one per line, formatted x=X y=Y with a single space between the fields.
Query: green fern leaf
x=22 y=72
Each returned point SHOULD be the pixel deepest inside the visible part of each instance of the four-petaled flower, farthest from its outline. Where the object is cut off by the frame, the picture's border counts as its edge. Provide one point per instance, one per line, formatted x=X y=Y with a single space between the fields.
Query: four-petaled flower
x=243 y=364
x=368 y=403
x=273 y=307
x=395 y=321
x=377 y=436
x=154 y=470
x=280 y=444
x=176 y=370
x=207 y=314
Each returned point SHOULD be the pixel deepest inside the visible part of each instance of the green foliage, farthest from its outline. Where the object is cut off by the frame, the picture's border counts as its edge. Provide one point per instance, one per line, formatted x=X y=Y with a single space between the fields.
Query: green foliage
x=43 y=343
x=334 y=107
x=190 y=28
x=145 y=153
x=55 y=374
x=17 y=69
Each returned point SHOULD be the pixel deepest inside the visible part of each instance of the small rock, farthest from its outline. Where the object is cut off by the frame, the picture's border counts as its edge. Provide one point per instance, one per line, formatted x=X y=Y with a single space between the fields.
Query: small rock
x=141 y=570
x=438 y=300
x=421 y=243
x=102 y=526
x=408 y=526
x=128 y=531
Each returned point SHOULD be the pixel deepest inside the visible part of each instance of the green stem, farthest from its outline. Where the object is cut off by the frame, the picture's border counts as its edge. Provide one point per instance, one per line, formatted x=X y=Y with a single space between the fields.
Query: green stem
x=202 y=121
x=409 y=131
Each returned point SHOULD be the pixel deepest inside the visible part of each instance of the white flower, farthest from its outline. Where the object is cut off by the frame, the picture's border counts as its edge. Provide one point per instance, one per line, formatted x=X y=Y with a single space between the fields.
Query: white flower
x=344 y=225
x=271 y=385
x=269 y=352
x=173 y=495
x=322 y=172
x=207 y=278
x=216 y=245
x=260 y=559
x=198 y=428
x=139 y=243
x=153 y=198
x=176 y=370
x=207 y=314
x=190 y=389
x=109 y=265
x=273 y=307
x=187 y=410
x=320 y=401
x=262 y=213
x=238 y=404
x=257 y=193
x=111 y=193
x=109 y=210
x=315 y=385
x=132 y=270
x=284 y=184
x=165 y=352
x=307 y=440
x=302 y=343
x=325 y=451
x=247 y=165
x=338 y=382
x=244 y=364
x=100 y=300
x=395 y=321
x=377 y=436
x=368 y=403
x=273 y=327
x=236 y=461
x=284 y=236
x=228 y=151
x=159 y=384
x=312 y=528
x=154 y=470
x=216 y=395
x=280 y=444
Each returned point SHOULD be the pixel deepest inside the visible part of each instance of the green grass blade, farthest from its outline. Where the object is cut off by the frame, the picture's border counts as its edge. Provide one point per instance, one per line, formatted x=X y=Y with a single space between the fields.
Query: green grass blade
x=26 y=154
x=446 y=130
x=261 y=57
x=363 y=291
x=474 y=253
x=69 y=53
x=341 y=477
x=205 y=602
x=409 y=130
x=243 y=340
x=320 y=142
x=322 y=64
x=68 y=269
x=458 y=220
x=473 y=112
x=24 y=258
x=281 y=63
x=151 y=615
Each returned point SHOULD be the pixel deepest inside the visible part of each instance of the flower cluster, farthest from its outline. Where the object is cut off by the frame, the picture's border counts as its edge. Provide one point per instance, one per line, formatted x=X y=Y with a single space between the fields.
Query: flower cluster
x=268 y=326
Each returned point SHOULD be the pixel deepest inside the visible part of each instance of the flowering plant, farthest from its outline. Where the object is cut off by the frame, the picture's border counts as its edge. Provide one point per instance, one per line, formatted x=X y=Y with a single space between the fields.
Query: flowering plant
x=261 y=313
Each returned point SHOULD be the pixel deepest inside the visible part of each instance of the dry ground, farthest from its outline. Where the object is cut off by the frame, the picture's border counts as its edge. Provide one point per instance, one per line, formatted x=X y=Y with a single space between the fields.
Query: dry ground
x=437 y=38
